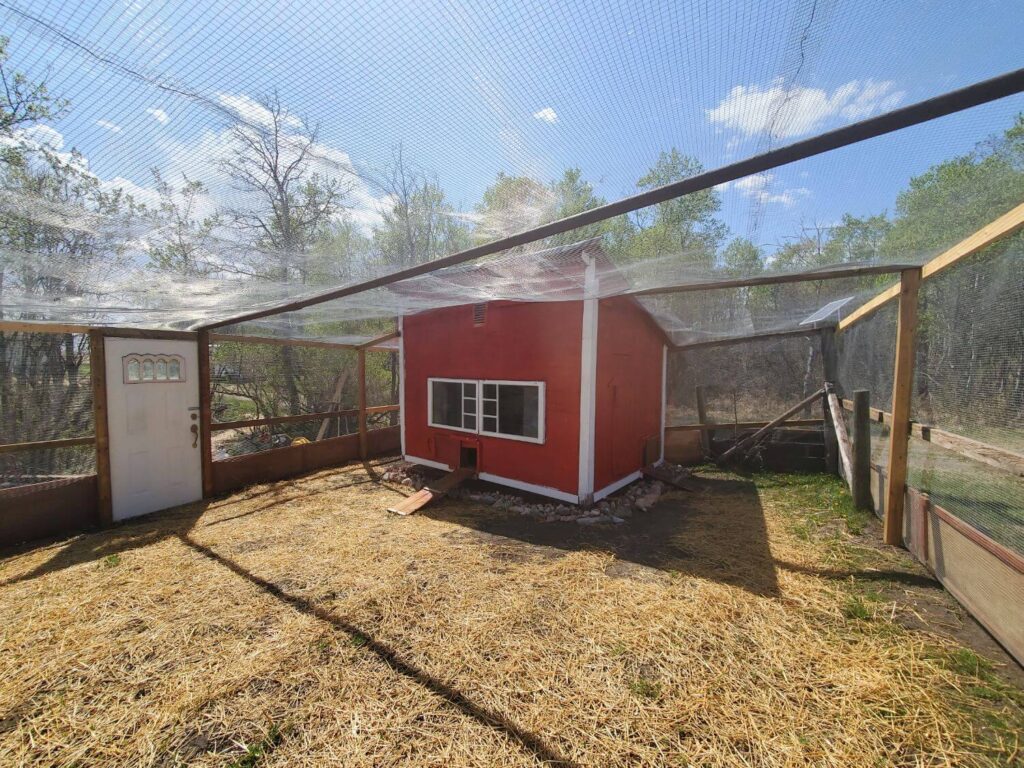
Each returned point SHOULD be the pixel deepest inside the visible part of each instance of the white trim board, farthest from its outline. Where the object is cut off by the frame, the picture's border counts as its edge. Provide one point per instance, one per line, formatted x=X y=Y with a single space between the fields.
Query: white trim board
x=540 y=490
x=588 y=384
x=608 y=490
x=401 y=381
x=426 y=462
x=664 y=400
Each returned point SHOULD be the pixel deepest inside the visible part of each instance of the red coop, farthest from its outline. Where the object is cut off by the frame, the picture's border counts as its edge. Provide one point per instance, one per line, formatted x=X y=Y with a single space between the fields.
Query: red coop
x=563 y=397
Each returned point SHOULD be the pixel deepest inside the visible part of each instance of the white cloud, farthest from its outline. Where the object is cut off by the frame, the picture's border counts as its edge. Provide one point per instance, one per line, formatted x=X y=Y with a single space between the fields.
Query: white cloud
x=112 y=127
x=158 y=114
x=252 y=112
x=787 y=112
x=758 y=187
x=548 y=115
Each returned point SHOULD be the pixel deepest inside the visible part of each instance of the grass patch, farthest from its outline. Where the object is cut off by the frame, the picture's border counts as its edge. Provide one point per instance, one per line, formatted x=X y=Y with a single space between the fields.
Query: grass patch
x=256 y=751
x=644 y=688
x=111 y=561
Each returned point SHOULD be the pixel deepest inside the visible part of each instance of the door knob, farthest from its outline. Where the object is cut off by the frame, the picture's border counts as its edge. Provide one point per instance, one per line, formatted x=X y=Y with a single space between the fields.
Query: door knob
x=195 y=435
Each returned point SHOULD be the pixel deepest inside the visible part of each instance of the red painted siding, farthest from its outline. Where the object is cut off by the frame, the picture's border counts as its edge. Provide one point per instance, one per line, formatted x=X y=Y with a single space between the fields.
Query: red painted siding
x=518 y=341
x=629 y=355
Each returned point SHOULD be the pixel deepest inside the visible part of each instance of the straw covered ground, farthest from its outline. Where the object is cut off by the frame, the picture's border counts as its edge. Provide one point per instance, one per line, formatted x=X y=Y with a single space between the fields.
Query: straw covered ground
x=750 y=622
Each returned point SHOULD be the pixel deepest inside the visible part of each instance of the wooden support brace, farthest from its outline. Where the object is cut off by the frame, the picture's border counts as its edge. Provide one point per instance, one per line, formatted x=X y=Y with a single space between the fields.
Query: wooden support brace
x=747 y=442
x=98 y=372
x=843 y=446
x=205 y=413
x=361 y=378
x=902 y=391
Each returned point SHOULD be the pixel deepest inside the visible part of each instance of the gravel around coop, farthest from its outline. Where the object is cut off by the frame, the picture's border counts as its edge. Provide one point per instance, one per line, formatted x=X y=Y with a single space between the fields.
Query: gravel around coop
x=750 y=621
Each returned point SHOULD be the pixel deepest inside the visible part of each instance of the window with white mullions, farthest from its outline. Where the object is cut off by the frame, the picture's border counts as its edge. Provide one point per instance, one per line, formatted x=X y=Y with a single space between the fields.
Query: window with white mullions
x=452 y=404
x=513 y=409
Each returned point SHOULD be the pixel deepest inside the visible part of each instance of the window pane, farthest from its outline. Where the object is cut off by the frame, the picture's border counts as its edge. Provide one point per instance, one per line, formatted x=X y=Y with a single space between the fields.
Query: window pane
x=469 y=389
x=490 y=424
x=490 y=408
x=446 y=403
x=490 y=391
x=518 y=410
x=161 y=370
x=133 y=370
x=174 y=370
x=469 y=422
x=147 y=370
x=468 y=406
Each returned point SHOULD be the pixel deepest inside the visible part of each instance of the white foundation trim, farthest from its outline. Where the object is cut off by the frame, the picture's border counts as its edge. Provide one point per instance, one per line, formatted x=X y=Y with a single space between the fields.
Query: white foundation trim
x=426 y=462
x=540 y=490
x=401 y=381
x=588 y=383
x=608 y=490
x=664 y=396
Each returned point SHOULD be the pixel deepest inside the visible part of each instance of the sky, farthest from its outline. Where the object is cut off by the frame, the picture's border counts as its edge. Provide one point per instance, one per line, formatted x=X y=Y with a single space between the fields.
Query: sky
x=472 y=89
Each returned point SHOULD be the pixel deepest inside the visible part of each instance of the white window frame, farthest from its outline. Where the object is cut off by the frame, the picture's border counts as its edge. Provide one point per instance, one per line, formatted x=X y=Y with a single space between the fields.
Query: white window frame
x=430 y=404
x=541 y=410
x=480 y=383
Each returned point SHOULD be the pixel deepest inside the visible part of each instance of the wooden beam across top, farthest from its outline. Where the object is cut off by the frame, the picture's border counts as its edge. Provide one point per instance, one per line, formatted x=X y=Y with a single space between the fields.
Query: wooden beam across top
x=277 y=341
x=380 y=340
x=1005 y=225
x=810 y=330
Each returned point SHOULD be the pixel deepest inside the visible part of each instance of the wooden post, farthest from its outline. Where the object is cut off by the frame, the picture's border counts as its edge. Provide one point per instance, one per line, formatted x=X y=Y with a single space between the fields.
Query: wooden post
x=361 y=376
x=861 y=480
x=98 y=372
x=706 y=436
x=902 y=390
x=828 y=364
x=205 y=413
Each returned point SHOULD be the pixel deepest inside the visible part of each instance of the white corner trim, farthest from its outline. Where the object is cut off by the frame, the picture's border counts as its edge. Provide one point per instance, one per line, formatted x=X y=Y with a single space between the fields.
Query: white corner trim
x=426 y=462
x=664 y=398
x=608 y=490
x=540 y=490
x=401 y=381
x=588 y=382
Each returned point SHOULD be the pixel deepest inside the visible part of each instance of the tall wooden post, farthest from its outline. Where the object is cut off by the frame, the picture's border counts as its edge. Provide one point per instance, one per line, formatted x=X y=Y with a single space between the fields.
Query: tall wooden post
x=829 y=367
x=861 y=480
x=702 y=418
x=205 y=411
x=361 y=378
x=98 y=373
x=902 y=391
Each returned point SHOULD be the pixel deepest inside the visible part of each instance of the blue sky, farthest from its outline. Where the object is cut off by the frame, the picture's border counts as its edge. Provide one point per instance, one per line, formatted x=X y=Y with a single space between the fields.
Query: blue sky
x=528 y=87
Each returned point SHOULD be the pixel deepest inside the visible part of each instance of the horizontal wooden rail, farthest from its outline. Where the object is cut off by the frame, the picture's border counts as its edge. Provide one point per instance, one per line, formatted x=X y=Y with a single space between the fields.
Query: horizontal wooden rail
x=44 y=445
x=271 y=420
x=742 y=425
x=279 y=342
x=28 y=326
x=994 y=456
x=1005 y=225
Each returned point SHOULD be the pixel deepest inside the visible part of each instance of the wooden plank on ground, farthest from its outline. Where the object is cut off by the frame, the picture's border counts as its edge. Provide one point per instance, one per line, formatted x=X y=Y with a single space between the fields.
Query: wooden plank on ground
x=435 y=490
x=842 y=437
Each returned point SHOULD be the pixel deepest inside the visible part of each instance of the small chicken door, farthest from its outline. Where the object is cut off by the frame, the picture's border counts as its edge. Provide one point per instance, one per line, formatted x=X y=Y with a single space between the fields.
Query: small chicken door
x=153 y=421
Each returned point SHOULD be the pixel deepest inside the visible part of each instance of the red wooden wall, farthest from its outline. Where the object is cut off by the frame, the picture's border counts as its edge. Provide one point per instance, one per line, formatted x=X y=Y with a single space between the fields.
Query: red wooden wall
x=629 y=362
x=518 y=341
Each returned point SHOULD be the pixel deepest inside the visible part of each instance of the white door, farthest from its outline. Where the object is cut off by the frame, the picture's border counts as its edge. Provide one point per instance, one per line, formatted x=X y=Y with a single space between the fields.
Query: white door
x=153 y=419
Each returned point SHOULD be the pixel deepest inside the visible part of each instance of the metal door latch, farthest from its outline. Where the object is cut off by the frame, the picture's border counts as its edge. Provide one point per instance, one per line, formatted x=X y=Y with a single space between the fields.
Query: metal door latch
x=195 y=435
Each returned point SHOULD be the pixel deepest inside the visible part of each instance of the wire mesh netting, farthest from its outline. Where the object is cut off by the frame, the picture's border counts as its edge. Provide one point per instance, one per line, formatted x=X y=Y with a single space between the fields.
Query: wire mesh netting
x=160 y=173
x=744 y=382
x=253 y=381
x=45 y=394
x=969 y=380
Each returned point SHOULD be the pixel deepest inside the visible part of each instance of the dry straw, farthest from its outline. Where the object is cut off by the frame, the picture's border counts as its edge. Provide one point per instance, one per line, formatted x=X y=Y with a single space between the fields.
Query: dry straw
x=298 y=624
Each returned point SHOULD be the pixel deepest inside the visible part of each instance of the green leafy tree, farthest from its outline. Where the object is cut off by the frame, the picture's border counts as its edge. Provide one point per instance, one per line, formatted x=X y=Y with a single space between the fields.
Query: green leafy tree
x=182 y=245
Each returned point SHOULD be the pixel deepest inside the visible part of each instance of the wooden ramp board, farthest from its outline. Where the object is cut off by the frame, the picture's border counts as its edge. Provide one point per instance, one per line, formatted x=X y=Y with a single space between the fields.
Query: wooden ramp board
x=421 y=498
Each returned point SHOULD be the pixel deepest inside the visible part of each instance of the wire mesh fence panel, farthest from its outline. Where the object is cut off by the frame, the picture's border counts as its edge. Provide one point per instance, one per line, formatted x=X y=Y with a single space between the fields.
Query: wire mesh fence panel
x=750 y=381
x=969 y=381
x=253 y=381
x=382 y=383
x=45 y=394
x=865 y=355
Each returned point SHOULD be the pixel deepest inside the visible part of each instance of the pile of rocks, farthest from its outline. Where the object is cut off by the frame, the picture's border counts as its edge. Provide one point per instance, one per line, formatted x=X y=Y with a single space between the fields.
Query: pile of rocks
x=639 y=497
x=615 y=510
